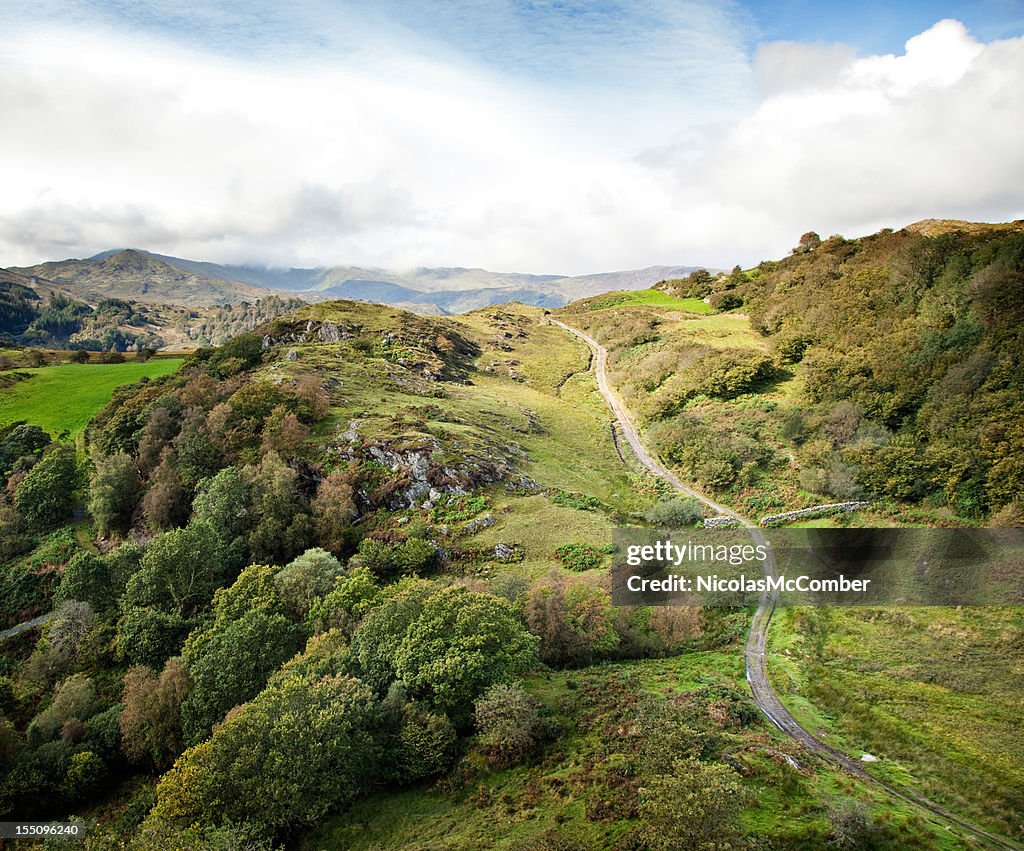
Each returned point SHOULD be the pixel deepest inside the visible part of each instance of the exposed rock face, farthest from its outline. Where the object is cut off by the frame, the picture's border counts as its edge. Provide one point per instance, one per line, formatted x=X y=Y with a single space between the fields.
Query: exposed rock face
x=421 y=477
x=292 y=355
x=331 y=333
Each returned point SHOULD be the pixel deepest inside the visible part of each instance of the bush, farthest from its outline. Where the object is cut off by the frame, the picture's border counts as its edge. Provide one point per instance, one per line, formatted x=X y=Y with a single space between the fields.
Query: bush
x=675 y=512
x=509 y=724
x=578 y=556
x=425 y=744
x=297 y=751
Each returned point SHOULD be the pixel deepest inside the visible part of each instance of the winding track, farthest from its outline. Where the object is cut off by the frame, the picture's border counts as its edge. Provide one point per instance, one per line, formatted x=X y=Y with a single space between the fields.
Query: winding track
x=755 y=652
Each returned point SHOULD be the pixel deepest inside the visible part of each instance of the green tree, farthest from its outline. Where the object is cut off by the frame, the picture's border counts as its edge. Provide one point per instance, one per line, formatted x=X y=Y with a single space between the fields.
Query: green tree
x=44 y=497
x=113 y=493
x=232 y=666
x=376 y=641
x=308 y=578
x=461 y=643
x=282 y=529
x=425 y=744
x=348 y=602
x=85 y=776
x=149 y=636
x=575 y=622
x=298 y=750
x=223 y=501
x=86 y=577
x=180 y=570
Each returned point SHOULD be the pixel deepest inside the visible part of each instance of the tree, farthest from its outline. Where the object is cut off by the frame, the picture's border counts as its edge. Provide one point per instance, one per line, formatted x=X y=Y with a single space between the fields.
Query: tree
x=75 y=697
x=461 y=643
x=19 y=442
x=80 y=356
x=509 y=724
x=180 y=570
x=232 y=666
x=86 y=577
x=165 y=504
x=224 y=502
x=282 y=528
x=283 y=432
x=695 y=807
x=44 y=497
x=298 y=750
x=149 y=636
x=375 y=642
x=425 y=744
x=150 y=722
x=675 y=512
x=574 y=621
x=345 y=606
x=333 y=510
x=308 y=578
x=86 y=774
x=113 y=493
x=60 y=650
x=808 y=242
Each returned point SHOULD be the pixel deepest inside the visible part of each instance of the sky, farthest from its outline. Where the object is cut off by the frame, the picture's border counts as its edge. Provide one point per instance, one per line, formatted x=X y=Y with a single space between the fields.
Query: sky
x=519 y=135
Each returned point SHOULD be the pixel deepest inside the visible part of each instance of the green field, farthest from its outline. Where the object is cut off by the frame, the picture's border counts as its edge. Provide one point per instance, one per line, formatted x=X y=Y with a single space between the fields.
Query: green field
x=933 y=693
x=66 y=397
x=647 y=298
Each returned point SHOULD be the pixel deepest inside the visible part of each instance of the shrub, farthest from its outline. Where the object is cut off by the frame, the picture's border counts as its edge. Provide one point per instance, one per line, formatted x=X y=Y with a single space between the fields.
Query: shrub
x=509 y=724
x=675 y=512
x=425 y=744
x=578 y=556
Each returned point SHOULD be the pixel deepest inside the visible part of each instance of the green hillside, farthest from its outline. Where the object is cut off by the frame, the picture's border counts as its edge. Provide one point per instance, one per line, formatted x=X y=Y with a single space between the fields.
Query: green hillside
x=886 y=368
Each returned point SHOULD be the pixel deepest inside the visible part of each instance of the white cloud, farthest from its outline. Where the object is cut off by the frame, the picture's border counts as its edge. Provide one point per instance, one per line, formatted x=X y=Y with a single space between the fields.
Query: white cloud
x=392 y=159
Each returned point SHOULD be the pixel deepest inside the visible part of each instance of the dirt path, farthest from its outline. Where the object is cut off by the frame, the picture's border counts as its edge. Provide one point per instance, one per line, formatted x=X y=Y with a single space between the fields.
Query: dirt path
x=27 y=625
x=755 y=652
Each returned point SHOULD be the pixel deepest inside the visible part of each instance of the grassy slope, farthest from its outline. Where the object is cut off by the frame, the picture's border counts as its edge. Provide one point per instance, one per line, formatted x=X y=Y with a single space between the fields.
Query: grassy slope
x=574 y=791
x=645 y=298
x=67 y=396
x=933 y=692
x=532 y=391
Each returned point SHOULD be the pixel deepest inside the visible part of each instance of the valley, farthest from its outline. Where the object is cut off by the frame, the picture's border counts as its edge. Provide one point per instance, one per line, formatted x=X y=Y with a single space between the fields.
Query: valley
x=399 y=526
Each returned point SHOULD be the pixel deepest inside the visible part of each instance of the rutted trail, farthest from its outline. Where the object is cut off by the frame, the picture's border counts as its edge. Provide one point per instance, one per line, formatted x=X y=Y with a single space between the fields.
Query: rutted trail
x=755 y=652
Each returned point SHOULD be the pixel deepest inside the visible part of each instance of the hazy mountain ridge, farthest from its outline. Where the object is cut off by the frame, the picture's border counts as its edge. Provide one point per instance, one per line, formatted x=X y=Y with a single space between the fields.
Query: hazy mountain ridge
x=156 y=278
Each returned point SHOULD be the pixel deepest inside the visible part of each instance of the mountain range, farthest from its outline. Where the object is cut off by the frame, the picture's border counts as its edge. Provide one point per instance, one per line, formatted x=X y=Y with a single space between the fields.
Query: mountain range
x=139 y=275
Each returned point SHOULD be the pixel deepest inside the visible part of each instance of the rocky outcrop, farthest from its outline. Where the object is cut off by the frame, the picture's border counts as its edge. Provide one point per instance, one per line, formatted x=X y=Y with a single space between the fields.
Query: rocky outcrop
x=422 y=471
